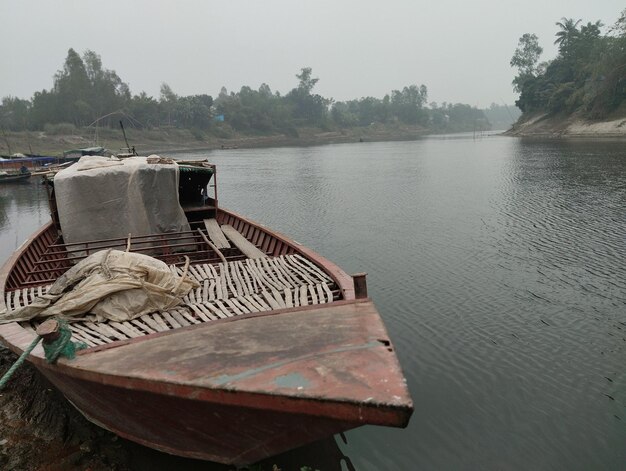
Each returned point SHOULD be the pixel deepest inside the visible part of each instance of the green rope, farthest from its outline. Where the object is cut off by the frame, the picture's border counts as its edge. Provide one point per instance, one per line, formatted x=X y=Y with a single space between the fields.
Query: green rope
x=62 y=346
x=7 y=376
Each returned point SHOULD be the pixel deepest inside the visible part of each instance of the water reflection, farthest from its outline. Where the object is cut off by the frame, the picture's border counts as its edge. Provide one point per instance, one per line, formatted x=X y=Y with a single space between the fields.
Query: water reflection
x=324 y=455
x=23 y=209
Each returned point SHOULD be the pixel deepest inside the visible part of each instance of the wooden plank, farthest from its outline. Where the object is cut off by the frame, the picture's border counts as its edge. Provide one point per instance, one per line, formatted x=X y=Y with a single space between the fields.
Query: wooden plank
x=211 y=291
x=313 y=294
x=296 y=297
x=270 y=271
x=200 y=312
x=93 y=335
x=304 y=301
x=264 y=280
x=233 y=306
x=288 y=298
x=279 y=299
x=200 y=269
x=244 y=308
x=253 y=302
x=169 y=318
x=151 y=322
x=287 y=273
x=145 y=327
x=248 y=304
x=197 y=274
x=106 y=332
x=222 y=307
x=126 y=328
x=187 y=315
x=205 y=291
x=86 y=333
x=190 y=298
x=312 y=267
x=238 y=278
x=215 y=234
x=270 y=299
x=246 y=247
x=320 y=294
x=159 y=320
x=16 y=299
x=216 y=311
x=230 y=281
x=218 y=288
x=78 y=335
x=176 y=314
x=329 y=293
x=260 y=302
x=294 y=267
x=245 y=277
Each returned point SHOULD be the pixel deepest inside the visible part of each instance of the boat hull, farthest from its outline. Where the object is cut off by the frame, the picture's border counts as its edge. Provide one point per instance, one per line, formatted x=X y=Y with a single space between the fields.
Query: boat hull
x=194 y=429
x=239 y=389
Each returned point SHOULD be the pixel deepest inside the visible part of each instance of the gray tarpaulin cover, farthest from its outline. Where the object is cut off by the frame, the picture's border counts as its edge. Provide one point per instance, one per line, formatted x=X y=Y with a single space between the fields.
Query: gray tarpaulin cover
x=107 y=198
x=110 y=285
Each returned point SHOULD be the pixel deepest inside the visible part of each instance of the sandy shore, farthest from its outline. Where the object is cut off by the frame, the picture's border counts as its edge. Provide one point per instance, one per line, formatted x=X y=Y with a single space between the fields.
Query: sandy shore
x=171 y=139
x=543 y=125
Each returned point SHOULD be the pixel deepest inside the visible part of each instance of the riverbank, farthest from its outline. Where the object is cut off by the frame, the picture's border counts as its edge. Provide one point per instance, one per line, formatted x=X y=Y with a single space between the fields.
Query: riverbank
x=543 y=125
x=173 y=139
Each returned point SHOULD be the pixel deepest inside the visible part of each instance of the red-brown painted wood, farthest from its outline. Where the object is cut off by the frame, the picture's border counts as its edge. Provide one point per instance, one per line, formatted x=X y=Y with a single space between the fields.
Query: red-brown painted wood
x=233 y=391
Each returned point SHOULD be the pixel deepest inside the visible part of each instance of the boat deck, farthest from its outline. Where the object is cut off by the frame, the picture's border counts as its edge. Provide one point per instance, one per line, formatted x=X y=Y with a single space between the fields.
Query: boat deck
x=226 y=290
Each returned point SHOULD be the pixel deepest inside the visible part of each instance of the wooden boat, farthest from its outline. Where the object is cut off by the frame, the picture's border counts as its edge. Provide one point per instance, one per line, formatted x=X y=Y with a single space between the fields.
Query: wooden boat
x=30 y=161
x=12 y=177
x=75 y=154
x=279 y=347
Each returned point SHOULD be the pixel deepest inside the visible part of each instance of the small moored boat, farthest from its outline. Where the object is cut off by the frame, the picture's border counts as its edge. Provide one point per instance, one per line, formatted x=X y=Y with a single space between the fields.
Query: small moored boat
x=273 y=348
x=13 y=176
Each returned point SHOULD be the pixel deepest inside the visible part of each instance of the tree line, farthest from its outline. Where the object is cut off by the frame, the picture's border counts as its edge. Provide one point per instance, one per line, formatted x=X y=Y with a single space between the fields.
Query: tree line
x=84 y=93
x=588 y=76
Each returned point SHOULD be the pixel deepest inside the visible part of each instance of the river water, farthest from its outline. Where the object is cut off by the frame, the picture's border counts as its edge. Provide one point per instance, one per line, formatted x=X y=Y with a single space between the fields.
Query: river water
x=498 y=266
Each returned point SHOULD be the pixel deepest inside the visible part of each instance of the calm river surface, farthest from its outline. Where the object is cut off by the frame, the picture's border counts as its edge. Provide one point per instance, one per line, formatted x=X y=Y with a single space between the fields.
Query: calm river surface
x=498 y=265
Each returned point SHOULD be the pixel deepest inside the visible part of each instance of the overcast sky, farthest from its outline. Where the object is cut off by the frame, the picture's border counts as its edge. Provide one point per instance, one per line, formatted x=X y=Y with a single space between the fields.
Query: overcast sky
x=460 y=49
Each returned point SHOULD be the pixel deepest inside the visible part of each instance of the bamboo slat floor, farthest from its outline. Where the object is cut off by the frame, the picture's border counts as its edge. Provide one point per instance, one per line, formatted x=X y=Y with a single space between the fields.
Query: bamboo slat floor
x=226 y=289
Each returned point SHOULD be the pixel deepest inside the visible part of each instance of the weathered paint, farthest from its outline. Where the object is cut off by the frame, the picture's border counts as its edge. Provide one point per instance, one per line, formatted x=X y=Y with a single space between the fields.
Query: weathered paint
x=224 y=380
x=292 y=380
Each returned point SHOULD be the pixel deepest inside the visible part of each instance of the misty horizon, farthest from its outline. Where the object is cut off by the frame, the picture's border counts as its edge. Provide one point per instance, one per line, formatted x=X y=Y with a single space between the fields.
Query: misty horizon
x=355 y=49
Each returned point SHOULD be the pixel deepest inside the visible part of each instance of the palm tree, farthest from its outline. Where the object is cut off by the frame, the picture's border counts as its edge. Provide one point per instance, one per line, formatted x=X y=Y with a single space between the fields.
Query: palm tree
x=569 y=32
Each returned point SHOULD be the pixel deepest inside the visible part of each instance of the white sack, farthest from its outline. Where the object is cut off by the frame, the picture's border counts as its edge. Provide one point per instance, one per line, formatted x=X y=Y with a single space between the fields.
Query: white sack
x=112 y=285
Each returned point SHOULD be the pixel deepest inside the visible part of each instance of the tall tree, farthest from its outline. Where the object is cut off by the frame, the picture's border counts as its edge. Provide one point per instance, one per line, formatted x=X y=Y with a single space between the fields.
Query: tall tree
x=567 y=35
x=526 y=57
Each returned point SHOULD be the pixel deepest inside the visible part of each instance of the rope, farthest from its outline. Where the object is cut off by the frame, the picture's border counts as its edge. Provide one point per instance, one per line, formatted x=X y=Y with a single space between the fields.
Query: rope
x=62 y=346
x=7 y=376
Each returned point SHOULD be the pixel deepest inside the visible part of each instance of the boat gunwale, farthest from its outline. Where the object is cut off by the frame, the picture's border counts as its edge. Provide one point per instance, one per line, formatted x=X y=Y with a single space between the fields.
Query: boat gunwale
x=340 y=277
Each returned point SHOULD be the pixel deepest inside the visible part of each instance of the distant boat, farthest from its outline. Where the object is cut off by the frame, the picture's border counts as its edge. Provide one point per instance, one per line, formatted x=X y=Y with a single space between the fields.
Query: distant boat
x=11 y=177
x=75 y=154
x=16 y=161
